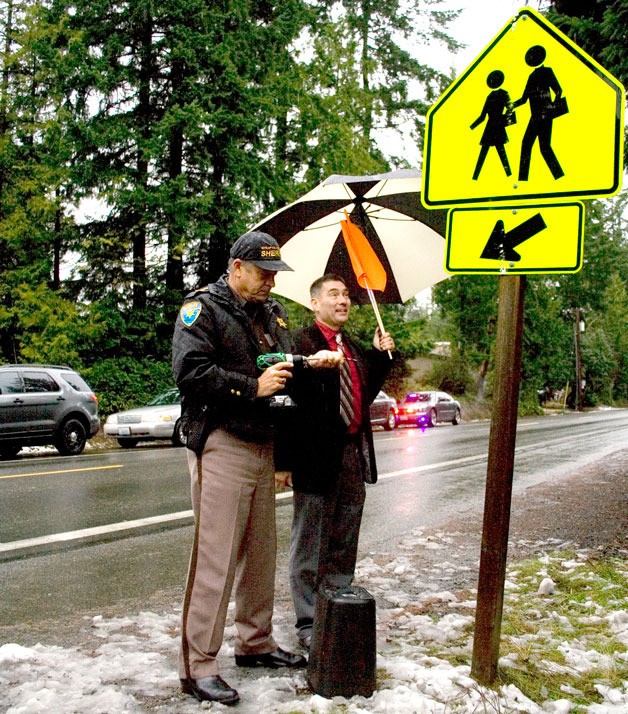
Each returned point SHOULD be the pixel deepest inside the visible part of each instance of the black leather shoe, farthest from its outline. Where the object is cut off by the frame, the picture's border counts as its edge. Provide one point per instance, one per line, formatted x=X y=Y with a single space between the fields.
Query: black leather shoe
x=274 y=660
x=210 y=689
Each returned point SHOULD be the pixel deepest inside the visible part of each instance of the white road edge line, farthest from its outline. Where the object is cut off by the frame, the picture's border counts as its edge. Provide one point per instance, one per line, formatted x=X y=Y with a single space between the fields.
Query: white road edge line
x=91 y=532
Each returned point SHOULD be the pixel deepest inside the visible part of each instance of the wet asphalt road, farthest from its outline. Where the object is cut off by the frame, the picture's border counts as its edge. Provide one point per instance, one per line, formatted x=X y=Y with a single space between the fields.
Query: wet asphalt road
x=426 y=478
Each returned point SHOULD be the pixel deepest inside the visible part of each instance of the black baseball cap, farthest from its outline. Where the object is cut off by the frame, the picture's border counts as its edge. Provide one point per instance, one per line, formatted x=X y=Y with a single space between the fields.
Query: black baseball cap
x=260 y=249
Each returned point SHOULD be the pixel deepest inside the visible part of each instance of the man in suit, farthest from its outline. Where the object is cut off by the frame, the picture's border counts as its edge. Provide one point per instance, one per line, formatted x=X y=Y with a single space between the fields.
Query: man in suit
x=333 y=453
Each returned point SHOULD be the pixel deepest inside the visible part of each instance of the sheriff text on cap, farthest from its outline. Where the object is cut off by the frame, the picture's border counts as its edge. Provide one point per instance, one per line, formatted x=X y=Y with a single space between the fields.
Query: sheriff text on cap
x=260 y=249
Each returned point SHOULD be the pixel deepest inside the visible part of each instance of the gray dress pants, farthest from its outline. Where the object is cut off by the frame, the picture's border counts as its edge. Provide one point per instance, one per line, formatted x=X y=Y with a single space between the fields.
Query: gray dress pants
x=324 y=540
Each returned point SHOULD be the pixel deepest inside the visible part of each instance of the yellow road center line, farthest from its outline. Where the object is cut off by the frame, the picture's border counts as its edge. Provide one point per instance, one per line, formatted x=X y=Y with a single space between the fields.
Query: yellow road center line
x=63 y=471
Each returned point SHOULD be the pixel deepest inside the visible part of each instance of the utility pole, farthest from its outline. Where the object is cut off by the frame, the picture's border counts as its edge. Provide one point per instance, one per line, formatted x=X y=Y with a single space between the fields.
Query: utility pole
x=577 y=315
x=576 y=324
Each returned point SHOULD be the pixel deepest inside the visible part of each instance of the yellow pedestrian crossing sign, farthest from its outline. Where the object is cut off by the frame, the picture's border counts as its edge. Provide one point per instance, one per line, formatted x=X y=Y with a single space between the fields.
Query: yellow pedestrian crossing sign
x=533 y=117
x=519 y=239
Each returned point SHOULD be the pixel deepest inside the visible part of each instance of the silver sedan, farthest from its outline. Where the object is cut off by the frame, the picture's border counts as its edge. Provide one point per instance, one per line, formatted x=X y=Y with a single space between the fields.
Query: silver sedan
x=159 y=419
x=428 y=408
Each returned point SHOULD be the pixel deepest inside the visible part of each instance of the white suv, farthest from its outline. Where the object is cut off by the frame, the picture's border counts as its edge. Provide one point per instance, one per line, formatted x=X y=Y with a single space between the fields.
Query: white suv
x=45 y=404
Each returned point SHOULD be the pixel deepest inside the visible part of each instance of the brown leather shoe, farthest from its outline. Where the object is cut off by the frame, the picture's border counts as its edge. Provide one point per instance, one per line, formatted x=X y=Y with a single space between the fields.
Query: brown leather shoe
x=210 y=689
x=274 y=660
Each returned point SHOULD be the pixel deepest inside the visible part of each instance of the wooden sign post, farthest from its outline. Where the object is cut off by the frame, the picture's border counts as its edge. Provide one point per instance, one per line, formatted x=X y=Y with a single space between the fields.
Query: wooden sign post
x=501 y=458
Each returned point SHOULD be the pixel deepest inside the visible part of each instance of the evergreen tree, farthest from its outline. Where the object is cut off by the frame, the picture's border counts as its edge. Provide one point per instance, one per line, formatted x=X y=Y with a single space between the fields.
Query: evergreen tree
x=33 y=171
x=600 y=29
x=171 y=113
x=185 y=122
x=373 y=38
x=614 y=322
x=470 y=304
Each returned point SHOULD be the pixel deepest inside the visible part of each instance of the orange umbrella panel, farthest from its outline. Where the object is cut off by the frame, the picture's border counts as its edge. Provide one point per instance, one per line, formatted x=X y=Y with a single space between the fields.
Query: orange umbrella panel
x=368 y=269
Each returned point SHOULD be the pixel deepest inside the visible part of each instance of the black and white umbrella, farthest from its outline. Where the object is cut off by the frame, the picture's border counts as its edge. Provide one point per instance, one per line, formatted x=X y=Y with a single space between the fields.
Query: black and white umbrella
x=406 y=237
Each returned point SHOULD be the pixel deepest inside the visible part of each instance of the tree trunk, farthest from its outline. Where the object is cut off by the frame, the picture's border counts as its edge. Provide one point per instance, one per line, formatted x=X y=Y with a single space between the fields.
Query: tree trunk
x=480 y=382
x=174 y=261
x=365 y=21
x=56 y=252
x=144 y=117
x=213 y=253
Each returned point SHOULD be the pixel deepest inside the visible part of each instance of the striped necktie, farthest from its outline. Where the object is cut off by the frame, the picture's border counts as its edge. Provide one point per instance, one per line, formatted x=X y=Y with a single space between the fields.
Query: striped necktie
x=347 y=410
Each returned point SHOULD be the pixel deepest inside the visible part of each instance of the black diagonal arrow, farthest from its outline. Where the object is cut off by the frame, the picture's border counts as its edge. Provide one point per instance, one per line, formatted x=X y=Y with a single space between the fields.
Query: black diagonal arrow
x=500 y=245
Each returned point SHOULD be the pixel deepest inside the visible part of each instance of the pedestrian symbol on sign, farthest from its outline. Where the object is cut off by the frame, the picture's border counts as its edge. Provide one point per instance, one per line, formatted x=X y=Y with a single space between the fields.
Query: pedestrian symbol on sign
x=498 y=114
x=544 y=109
x=545 y=96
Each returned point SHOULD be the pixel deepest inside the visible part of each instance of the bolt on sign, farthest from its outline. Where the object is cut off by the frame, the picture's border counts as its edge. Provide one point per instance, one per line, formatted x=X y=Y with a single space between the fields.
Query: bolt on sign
x=533 y=117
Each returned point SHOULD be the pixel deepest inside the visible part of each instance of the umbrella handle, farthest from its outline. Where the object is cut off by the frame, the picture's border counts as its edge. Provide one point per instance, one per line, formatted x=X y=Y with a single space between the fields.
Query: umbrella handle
x=377 y=315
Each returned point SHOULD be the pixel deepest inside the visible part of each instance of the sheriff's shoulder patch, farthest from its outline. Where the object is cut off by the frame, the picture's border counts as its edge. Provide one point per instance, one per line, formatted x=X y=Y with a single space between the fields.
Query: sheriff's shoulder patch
x=189 y=312
x=282 y=323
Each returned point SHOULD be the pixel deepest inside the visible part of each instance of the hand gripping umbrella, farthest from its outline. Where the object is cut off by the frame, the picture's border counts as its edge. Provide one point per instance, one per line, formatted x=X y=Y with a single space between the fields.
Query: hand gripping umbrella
x=407 y=239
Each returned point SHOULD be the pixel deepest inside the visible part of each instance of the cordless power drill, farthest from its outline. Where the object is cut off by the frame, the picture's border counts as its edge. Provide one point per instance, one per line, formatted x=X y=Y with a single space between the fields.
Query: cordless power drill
x=270 y=358
x=265 y=361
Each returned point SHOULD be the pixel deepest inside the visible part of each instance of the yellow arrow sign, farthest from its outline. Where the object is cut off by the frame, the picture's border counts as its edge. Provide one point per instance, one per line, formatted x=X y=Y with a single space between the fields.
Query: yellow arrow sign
x=515 y=240
x=533 y=117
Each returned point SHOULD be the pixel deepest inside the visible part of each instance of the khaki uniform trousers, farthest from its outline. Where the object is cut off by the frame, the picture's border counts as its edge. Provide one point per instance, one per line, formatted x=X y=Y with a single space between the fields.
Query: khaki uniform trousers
x=233 y=497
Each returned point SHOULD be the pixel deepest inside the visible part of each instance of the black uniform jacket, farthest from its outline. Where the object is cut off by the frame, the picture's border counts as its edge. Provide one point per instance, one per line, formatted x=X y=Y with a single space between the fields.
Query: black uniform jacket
x=214 y=350
x=319 y=432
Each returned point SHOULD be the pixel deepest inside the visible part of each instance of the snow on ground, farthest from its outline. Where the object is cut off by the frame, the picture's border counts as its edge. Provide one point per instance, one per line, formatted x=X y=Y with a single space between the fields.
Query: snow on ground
x=130 y=663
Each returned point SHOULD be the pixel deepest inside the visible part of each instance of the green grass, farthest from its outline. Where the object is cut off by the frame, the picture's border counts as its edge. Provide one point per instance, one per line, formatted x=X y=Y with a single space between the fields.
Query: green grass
x=538 y=631
x=541 y=633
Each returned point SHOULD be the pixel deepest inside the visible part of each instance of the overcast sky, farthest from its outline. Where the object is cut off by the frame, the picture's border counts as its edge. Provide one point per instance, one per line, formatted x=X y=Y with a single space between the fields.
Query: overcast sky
x=478 y=23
